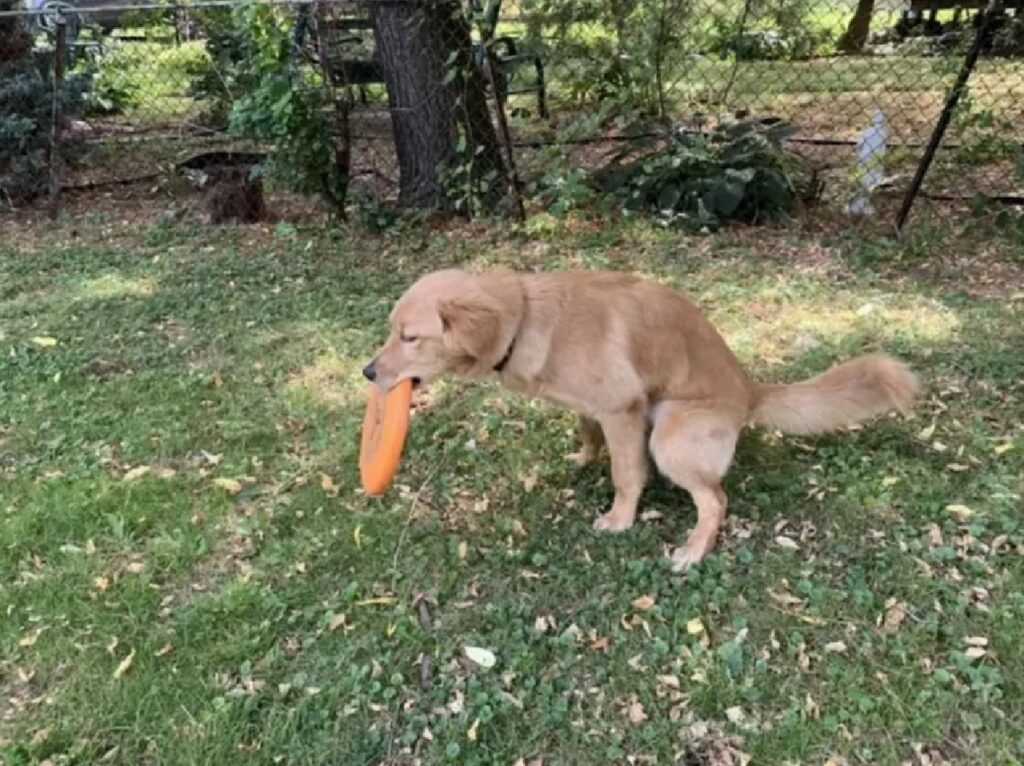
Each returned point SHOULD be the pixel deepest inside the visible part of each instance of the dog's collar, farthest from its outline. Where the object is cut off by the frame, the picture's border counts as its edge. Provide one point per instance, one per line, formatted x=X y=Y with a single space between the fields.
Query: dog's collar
x=503 y=362
x=500 y=366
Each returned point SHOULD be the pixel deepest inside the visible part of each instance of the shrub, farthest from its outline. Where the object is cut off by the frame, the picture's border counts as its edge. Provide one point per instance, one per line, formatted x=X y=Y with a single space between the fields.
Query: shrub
x=26 y=103
x=1009 y=38
x=740 y=172
x=229 y=43
x=150 y=76
x=277 y=99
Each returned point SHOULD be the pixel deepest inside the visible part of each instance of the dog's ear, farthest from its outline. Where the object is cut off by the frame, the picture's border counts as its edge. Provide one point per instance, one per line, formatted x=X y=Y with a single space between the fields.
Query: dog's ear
x=472 y=327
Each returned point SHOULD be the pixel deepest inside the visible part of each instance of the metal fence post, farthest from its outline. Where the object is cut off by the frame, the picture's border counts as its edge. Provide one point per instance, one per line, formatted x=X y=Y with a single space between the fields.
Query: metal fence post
x=952 y=99
x=57 y=117
x=490 y=64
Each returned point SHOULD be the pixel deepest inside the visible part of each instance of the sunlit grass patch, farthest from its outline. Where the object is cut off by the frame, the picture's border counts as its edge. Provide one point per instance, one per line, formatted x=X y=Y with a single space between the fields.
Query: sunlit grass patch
x=331 y=382
x=112 y=286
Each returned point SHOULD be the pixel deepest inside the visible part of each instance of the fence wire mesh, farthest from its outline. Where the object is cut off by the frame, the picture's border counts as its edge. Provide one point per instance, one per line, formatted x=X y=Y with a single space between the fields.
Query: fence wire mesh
x=151 y=89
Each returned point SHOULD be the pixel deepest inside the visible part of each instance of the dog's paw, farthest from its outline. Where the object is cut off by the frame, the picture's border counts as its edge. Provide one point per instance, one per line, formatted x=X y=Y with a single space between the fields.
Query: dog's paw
x=684 y=557
x=581 y=458
x=610 y=522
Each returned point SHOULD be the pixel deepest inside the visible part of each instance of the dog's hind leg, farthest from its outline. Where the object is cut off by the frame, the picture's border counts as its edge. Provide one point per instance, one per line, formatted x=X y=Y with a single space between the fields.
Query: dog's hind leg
x=624 y=432
x=693 y=446
x=591 y=439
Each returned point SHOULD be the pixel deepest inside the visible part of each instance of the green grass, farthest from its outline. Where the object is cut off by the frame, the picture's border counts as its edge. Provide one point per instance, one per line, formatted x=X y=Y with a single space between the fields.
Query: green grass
x=186 y=356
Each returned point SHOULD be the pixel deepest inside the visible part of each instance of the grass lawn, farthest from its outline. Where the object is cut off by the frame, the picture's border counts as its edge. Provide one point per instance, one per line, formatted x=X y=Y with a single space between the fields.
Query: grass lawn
x=188 y=574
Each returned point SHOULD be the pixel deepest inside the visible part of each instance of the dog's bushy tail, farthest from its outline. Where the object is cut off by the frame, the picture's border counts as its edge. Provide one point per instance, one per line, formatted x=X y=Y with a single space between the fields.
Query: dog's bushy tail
x=846 y=394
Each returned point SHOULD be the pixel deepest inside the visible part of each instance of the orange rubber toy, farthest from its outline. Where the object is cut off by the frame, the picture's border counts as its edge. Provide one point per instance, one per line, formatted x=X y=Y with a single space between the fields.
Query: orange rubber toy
x=384 y=428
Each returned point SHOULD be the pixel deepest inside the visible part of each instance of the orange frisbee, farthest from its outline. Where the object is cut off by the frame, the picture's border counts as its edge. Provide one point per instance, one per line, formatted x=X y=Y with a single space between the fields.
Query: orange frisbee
x=385 y=425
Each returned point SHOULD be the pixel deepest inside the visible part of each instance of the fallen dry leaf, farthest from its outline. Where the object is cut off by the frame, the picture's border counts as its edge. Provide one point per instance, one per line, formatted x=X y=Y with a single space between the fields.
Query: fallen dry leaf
x=1002 y=449
x=44 y=341
x=337 y=621
x=530 y=480
x=974 y=652
x=136 y=473
x=101 y=583
x=40 y=736
x=976 y=641
x=811 y=619
x=786 y=599
x=643 y=603
x=210 y=458
x=377 y=601
x=135 y=567
x=29 y=639
x=735 y=715
x=125 y=665
x=895 y=614
x=327 y=484
x=483 y=657
x=959 y=511
x=672 y=682
x=787 y=542
x=463 y=550
x=457 y=705
x=636 y=713
x=599 y=644
x=835 y=647
x=694 y=627
x=163 y=651
x=232 y=486
x=471 y=732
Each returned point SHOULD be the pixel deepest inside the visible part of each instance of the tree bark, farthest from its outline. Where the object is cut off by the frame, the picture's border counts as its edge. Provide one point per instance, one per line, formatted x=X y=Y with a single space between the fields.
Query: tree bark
x=856 y=35
x=448 y=152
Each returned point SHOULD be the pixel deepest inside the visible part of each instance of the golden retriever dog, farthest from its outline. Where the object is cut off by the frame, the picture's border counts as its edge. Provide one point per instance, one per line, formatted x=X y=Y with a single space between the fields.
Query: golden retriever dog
x=629 y=356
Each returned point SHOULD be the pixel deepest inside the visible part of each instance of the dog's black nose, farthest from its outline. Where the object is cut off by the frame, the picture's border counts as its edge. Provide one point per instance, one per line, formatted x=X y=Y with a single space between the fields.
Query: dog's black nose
x=370 y=372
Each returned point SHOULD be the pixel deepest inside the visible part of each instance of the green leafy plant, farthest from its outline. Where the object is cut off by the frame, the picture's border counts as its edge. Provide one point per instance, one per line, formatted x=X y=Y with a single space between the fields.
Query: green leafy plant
x=559 y=186
x=115 y=82
x=380 y=217
x=739 y=172
x=284 y=102
x=26 y=104
x=228 y=42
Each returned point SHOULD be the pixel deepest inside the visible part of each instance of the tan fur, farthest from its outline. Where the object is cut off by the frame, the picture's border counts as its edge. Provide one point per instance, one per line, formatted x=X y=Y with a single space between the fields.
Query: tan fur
x=625 y=354
x=848 y=393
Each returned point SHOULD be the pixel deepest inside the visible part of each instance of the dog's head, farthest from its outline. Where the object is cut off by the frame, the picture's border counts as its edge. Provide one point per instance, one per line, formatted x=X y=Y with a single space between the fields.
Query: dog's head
x=449 y=322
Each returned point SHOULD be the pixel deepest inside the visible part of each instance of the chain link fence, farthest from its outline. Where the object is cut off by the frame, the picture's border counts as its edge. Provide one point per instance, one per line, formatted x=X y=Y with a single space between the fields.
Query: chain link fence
x=199 y=94
x=807 y=62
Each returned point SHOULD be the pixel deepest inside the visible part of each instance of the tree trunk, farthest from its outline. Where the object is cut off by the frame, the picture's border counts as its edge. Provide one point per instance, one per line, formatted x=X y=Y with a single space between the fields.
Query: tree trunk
x=448 y=152
x=852 y=41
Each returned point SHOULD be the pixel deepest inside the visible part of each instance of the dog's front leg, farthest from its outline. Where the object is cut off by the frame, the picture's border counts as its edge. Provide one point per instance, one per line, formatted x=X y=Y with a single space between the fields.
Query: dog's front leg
x=624 y=433
x=591 y=438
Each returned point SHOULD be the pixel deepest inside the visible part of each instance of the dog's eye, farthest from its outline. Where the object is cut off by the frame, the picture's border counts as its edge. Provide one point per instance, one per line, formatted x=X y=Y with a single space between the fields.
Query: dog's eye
x=407 y=338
